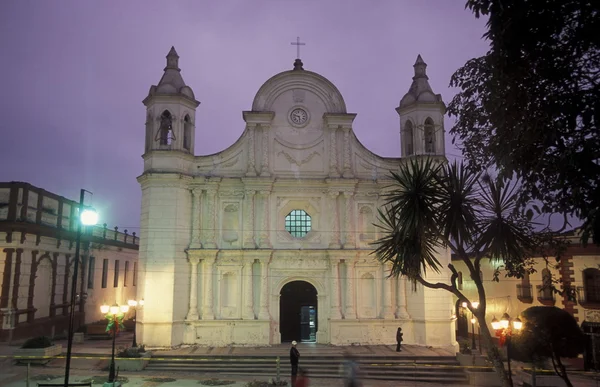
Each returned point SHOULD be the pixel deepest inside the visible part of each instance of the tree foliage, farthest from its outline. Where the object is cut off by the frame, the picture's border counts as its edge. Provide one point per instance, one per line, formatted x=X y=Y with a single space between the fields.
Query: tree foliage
x=432 y=206
x=531 y=105
x=551 y=333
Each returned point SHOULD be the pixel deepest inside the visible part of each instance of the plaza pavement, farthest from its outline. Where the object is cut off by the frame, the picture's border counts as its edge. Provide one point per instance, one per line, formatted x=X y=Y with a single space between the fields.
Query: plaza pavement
x=12 y=375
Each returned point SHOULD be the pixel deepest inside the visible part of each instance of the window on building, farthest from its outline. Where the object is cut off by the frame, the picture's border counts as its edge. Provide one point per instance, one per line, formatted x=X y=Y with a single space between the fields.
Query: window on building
x=187 y=132
x=298 y=223
x=591 y=285
x=104 y=273
x=126 y=274
x=91 y=270
x=116 y=279
x=409 y=138
x=545 y=291
x=135 y=274
x=429 y=136
x=459 y=281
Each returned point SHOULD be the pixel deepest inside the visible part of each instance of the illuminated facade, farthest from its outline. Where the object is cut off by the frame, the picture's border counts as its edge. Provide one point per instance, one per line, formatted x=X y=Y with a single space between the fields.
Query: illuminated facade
x=269 y=240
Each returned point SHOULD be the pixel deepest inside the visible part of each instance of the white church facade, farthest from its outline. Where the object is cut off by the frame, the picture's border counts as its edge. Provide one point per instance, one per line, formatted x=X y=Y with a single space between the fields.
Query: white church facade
x=270 y=240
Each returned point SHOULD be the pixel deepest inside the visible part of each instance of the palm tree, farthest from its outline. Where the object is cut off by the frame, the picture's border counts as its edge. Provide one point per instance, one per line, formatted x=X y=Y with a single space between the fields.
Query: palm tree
x=433 y=205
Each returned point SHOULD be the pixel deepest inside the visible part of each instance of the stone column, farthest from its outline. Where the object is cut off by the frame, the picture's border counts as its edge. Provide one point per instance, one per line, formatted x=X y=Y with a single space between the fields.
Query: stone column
x=264 y=171
x=196 y=218
x=248 y=313
x=388 y=311
x=251 y=171
x=334 y=242
x=263 y=314
x=249 y=219
x=349 y=242
x=193 y=310
x=264 y=242
x=335 y=289
x=208 y=312
x=333 y=161
x=347 y=172
x=350 y=310
x=212 y=219
x=401 y=311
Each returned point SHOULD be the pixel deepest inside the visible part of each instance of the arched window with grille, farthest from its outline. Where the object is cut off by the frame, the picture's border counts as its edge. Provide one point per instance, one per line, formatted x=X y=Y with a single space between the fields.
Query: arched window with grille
x=591 y=285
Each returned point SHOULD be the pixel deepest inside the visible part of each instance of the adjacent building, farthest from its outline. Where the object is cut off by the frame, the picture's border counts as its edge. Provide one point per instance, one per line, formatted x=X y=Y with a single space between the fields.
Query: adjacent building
x=38 y=231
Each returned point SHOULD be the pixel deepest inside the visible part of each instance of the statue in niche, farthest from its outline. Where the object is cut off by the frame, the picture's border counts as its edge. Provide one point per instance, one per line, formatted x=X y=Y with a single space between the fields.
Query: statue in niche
x=230 y=223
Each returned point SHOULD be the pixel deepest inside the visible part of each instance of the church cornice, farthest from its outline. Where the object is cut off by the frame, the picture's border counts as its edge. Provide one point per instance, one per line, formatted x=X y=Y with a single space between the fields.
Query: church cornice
x=258 y=118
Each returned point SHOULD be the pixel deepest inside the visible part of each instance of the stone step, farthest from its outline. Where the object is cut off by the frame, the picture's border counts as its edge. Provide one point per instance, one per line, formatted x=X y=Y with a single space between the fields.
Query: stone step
x=443 y=370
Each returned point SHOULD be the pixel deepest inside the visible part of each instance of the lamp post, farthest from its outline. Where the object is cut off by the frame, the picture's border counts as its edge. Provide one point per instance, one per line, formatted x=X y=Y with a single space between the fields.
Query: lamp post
x=87 y=217
x=134 y=304
x=474 y=304
x=503 y=327
x=114 y=314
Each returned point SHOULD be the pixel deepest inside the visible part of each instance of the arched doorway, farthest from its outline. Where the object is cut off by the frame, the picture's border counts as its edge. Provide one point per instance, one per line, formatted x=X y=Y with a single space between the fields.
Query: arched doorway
x=298 y=312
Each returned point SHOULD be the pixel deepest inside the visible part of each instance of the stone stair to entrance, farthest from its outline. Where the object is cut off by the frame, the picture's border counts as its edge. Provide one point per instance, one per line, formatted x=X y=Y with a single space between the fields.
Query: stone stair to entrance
x=433 y=369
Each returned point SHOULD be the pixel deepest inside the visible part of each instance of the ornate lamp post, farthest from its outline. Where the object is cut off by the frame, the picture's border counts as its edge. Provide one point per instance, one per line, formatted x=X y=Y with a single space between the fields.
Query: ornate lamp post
x=505 y=331
x=134 y=304
x=87 y=217
x=114 y=315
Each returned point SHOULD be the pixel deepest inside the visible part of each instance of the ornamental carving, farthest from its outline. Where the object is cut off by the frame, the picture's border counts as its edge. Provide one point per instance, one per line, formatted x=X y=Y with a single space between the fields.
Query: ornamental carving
x=291 y=160
x=592 y=315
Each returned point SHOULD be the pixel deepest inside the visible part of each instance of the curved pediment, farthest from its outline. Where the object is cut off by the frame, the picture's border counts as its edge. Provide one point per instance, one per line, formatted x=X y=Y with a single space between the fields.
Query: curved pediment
x=301 y=80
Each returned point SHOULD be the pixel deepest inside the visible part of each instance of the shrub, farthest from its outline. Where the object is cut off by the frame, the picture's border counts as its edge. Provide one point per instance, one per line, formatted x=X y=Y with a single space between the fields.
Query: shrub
x=131 y=352
x=38 y=342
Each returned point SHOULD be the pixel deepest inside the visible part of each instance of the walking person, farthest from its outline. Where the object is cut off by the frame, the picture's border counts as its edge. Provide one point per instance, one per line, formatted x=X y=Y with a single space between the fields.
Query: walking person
x=399 y=335
x=302 y=380
x=350 y=371
x=294 y=359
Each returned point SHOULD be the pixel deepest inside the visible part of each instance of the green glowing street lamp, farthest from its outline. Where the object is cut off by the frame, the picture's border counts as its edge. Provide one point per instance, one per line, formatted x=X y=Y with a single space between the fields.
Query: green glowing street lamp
x=87 y=217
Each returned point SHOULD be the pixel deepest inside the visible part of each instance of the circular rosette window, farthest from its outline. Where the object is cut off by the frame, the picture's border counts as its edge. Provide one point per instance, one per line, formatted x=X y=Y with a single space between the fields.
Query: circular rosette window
x=298 y=223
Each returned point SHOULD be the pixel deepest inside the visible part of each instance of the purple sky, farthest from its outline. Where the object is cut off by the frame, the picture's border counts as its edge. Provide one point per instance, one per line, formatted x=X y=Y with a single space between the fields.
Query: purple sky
x=75 y=73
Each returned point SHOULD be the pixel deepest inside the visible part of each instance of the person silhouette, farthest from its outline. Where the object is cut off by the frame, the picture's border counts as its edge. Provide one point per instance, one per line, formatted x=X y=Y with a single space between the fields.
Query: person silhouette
x=399 y=335
x=294 y=359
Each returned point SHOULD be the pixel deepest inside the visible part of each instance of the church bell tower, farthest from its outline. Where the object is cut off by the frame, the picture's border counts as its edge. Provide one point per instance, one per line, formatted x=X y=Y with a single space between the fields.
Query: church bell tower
x=166 y=203
x=421 y=116
x=170 y=111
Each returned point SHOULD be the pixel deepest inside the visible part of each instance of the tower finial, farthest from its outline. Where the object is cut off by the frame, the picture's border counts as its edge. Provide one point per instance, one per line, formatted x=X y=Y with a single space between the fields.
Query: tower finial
x=420 y=68
x=298 y=65
x=172 y=59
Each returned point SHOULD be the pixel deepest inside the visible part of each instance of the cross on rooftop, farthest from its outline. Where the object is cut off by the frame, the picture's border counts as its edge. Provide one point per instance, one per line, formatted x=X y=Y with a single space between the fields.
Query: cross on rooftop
x=298 y=44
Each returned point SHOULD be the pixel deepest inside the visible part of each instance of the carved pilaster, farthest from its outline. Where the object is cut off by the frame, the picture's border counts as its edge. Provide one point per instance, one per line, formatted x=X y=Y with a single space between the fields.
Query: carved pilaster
x=251 y=152
x=264 y=242
x=334 y=242
x=211 y=194
x=193 y=309
x=350 y=309
x=401 y=311
x=264 y=171
x=248 y=313
x=335 y=289
x=349 y=227
x=333 y=160
x=249 y=242
x=263 y=313
x=196 y=218
x=208 y=311
x=388 y=311
x=347 y=165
